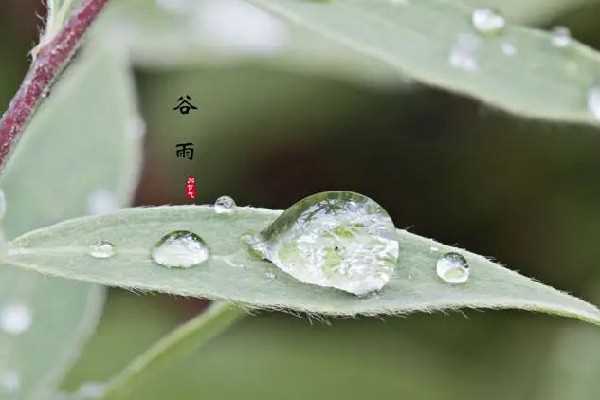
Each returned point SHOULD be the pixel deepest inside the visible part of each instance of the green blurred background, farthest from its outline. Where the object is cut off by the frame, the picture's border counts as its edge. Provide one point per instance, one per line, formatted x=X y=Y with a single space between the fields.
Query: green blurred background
x=524 y=192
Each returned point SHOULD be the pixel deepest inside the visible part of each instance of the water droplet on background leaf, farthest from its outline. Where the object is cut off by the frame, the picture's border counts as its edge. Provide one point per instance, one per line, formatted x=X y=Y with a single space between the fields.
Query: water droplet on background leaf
x=2 y=204
x=594 y=101
x=463 y=53
x=452 y=268
x=334 y=239
x=224 y=205
x=102 y=249
x=561 y=36
x=180 y=249
x=15 y=319
x=487 y=21
x=101 y=202
x=10 y=382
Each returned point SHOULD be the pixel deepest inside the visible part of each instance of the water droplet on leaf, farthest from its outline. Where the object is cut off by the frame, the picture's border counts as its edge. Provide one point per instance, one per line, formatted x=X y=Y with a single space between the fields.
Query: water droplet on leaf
x=2 y=204
x=101 y=202
x=463 y=53
x=15 y=319
x=10 y=382
x=487 y=21
x=508 y=49
x=594 y=101
x=561 y=36
x=453 y=268
x=224 y=204
x=102 y=249
x=180 y=249
x=335 y=239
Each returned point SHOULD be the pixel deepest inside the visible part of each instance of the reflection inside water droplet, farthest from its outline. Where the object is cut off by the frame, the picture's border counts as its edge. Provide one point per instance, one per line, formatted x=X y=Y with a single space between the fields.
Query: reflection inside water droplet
x=15 y=319
x=224 y=205
x=102 y=249
x=452 y=268
x=180 y=249
x=335 y=239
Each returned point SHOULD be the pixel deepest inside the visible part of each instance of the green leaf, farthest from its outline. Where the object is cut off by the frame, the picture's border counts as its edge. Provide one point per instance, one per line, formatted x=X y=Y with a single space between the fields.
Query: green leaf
x=175 y=347
x=233 y=274
x=377 y=40
x=80 y=141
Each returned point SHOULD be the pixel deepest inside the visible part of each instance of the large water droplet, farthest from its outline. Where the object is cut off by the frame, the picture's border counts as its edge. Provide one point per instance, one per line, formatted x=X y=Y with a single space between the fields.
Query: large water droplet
x=102 y=249
x=10 y=382
x=453 y=268
x=336 y=239
x=224 y=204
x=15 y=319
x=180 y=249
x=463 y=53
x=561 y=36
x=594 y=101
x=101 y=202
x=487 y=21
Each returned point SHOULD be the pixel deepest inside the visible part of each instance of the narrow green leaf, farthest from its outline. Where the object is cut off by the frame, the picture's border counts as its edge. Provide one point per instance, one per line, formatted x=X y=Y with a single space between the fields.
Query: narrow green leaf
x=79 y=142
x=233 y=274
x=369 y=40
x=418 y=39
x=173 y=348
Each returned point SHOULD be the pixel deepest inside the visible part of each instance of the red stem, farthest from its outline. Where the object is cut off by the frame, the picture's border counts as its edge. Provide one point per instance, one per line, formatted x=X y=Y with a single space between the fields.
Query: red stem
x=51 y=58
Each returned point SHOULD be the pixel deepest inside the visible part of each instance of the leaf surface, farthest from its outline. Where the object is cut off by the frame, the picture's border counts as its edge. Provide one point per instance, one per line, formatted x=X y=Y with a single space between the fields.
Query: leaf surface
x=232 y=273
x=77 y=153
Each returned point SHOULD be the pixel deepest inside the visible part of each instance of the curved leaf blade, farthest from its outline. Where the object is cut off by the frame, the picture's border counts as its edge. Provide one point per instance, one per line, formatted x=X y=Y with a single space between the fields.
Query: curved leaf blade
x=233 y=274
x=417 y=38
x=68 y=151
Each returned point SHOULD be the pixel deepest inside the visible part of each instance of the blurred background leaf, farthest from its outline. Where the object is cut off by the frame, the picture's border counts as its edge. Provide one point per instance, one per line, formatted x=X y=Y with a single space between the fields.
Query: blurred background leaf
x=65 y=166
x=525 y=192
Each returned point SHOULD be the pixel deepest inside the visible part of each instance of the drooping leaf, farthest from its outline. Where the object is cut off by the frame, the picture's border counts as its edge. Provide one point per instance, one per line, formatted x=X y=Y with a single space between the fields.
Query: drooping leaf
x=234 y=274
x=78 y=155
x=433 y=42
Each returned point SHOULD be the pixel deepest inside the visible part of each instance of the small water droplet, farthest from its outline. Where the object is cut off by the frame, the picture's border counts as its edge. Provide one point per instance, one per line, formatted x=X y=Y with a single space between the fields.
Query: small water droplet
x=15 y=319
x=270 y=275
x=508 y=49
x=487 y=21
x=452 y=268
x=334 y=239
x=224 y=205
x=101 y=202
x=434 y=248
x=561 y=36
x=10 y=382
x=102 y=249
x=463 y=53
x=594 y=101
x=91 y=390
x=180 y=249
x=2 y=204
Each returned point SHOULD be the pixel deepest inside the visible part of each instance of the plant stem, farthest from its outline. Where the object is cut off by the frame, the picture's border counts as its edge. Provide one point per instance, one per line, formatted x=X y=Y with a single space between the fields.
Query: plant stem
x=51 y=58
x=176 y=346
